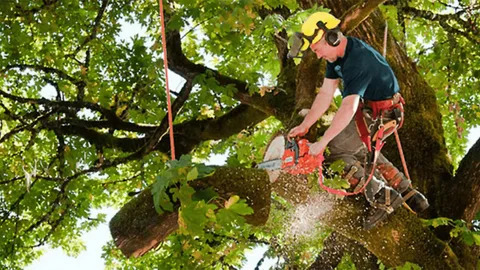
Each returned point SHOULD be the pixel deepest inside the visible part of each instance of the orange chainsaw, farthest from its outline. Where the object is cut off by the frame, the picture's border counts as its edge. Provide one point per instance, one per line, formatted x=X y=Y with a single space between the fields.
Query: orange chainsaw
x=294 y=160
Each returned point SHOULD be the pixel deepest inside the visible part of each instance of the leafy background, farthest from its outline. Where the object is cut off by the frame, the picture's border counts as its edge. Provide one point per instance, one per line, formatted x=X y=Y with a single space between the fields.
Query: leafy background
x=232 y=37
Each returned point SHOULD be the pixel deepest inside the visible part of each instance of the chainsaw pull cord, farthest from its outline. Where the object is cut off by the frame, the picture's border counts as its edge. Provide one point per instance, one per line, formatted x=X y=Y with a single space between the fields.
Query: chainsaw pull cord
x=165 y=65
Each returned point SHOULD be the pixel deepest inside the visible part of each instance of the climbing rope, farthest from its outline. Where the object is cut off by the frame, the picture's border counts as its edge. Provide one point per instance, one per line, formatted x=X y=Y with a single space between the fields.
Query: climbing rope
x=165 y=65
x=397 y=138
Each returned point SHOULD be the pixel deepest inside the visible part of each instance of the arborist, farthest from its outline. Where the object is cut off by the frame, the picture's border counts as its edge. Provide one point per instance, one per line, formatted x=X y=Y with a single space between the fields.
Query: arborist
x=371 y=110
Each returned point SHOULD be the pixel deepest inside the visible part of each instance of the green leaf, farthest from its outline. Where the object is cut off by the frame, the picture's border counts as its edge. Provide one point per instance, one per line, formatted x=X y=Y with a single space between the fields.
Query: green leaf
x=204 y=171
x=184 y=161
x=206 y=194
x=468 y=238
x=241 y=207
x=476 y=238
x=192 y=174
x=337 y=166
x=441 y=221
x=336 y=182
x=194 y=217
x=229 y=219
x=185 y=194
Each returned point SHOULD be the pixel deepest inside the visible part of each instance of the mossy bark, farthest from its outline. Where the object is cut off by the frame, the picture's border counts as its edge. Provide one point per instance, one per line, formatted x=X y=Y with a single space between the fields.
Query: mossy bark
x=137 y=227
x=336 y=246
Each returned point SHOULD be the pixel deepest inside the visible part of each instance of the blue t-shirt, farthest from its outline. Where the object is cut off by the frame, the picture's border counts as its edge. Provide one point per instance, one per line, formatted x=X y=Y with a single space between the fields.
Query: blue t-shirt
x=364 y=72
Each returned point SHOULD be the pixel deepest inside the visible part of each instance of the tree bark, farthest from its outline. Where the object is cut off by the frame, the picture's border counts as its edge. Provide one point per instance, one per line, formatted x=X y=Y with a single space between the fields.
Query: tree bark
x=336 y=246
x=464 y=189
x=392 y=242
x=137 y=227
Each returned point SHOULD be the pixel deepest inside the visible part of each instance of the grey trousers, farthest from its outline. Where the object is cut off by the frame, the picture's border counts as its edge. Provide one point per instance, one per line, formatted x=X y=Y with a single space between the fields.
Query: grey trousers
x=348 y=147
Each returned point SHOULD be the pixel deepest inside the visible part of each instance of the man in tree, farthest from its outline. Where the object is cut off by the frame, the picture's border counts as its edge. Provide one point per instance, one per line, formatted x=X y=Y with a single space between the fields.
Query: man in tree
x=371 y=94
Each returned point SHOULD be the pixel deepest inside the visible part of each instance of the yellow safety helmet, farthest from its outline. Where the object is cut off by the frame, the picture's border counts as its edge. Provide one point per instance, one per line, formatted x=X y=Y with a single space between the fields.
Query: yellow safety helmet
x=313 y=29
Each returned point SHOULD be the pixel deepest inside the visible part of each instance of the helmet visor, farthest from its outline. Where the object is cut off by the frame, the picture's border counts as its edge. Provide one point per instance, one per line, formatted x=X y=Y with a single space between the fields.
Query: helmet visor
x=299 y=42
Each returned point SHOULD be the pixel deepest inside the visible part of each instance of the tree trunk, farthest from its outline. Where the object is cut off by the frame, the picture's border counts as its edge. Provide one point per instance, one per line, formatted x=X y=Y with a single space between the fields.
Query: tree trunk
x=464 y=189
x=392 y=242
x=336 y=246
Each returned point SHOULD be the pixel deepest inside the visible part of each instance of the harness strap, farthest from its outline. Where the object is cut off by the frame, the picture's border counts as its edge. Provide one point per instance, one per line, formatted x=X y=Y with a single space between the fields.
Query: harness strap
x=409 y=195
x=362 y=127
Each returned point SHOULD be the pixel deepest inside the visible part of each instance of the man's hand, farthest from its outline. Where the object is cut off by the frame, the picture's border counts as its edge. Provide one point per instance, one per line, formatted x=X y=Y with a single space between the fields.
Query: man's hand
x=297 y=131
x=317 y=148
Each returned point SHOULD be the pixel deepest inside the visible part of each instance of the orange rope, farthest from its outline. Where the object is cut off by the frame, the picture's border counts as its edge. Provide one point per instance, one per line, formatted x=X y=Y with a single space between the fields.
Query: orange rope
x=165 y=65
x=397 y=138
x=400 y=150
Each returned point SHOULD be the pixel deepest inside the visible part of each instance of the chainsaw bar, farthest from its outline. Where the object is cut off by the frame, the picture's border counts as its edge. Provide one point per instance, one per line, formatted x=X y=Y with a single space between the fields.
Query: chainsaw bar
x=275 y=164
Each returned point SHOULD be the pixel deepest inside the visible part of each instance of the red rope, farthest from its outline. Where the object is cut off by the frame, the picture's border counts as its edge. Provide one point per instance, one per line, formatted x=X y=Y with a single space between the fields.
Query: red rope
x=402 y=157
x=397 y=138
x=339 y=191
x=165 y=65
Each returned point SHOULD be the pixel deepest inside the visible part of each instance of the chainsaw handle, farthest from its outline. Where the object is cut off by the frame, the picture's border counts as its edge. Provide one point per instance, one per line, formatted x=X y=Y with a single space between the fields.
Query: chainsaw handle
x=294 y=146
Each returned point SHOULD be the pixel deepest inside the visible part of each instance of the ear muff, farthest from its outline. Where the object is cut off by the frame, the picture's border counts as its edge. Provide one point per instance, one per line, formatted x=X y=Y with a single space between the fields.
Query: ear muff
x=331 y=36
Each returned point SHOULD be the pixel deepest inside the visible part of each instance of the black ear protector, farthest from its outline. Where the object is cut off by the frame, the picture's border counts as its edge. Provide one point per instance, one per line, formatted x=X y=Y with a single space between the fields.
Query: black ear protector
x=331 y=35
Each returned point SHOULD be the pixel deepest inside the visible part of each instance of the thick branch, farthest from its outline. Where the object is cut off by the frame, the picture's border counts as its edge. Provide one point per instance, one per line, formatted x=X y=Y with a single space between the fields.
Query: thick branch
x=466 y=190
x=336 y=246
x=190 y=134
x=181 y=65
x=356 y=14
x=392 y=241
x=164 y=125
x=137 y=227
x=187 y=135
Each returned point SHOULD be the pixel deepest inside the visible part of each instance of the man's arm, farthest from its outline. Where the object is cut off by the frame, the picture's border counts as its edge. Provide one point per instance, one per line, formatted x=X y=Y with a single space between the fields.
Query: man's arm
x=343 y=116
x=319 y=107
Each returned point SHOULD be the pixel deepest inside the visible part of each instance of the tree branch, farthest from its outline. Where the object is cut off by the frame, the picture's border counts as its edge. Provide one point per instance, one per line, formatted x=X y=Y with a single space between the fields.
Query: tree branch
x=181 y=65
x=471 y=32
x=66 y=105
x=466 y=190
x=191 y=133
x=336 y=246
x=61 y=74
x=96 y=25
x=356 y=14
x=137 y=227
x=12 y=180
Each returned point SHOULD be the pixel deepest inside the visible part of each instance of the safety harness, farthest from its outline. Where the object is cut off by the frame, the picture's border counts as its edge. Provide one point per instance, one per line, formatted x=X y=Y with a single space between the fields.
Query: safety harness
x=373 y=135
